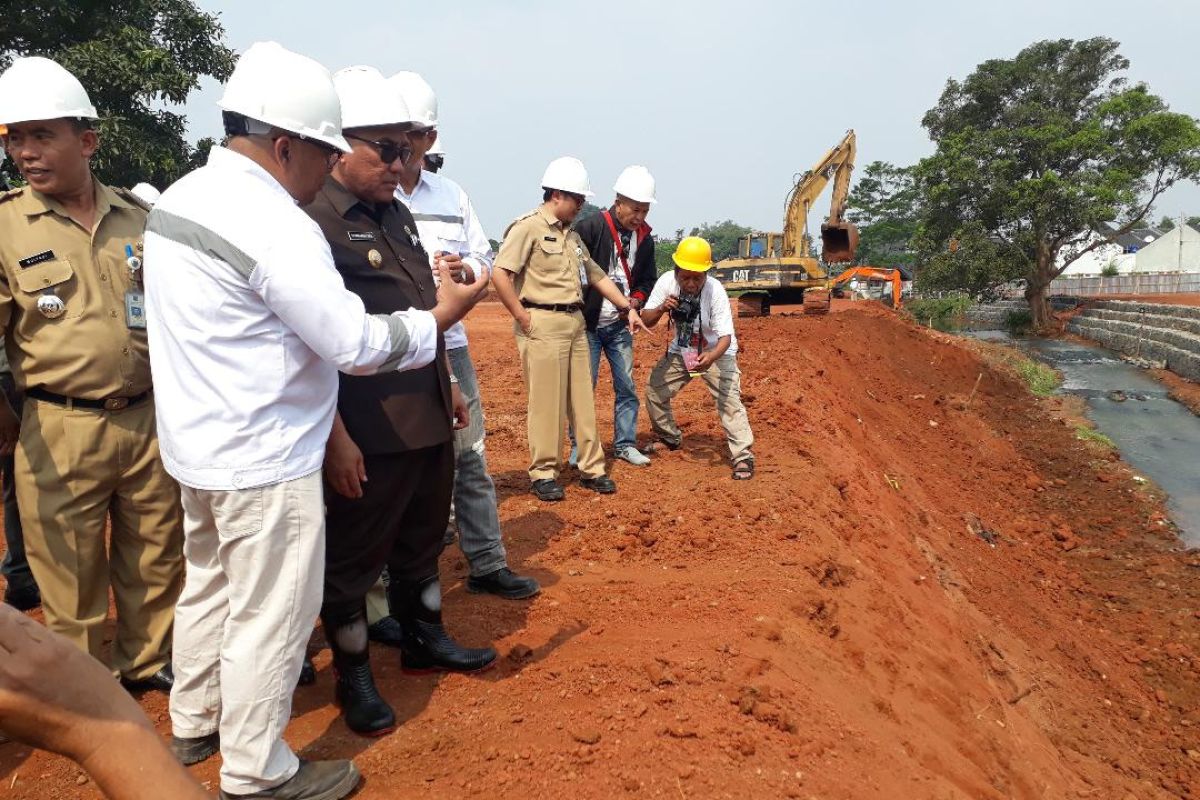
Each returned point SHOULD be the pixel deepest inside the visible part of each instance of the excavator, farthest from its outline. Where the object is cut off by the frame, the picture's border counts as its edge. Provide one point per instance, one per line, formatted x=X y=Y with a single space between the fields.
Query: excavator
x=816 y=299
x=780 y=267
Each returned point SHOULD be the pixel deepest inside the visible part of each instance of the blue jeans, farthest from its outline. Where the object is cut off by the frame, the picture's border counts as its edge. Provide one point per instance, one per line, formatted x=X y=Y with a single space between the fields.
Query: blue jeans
x=616 y=343
x=13 y=567
x=474 y=504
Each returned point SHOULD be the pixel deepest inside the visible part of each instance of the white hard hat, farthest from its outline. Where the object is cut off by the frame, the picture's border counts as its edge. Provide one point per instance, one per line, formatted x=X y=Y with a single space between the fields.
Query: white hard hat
x=567 y=174
x=436 y=149
x=36 y=88
x=636 y=183
x=419 y=96
x=273 y=85
x=146 y=193
x=369 y=99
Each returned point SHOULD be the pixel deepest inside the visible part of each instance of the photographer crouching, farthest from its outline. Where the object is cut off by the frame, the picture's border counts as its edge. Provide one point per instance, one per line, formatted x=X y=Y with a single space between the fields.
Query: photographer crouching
x=703 y=345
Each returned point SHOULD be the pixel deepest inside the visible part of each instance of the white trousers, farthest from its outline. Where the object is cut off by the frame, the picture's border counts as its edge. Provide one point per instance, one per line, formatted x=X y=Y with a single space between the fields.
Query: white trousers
x=255 y=564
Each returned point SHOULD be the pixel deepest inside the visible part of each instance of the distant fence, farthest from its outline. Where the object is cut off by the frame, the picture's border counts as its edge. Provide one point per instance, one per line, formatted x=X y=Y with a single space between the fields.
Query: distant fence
x=1132 y=283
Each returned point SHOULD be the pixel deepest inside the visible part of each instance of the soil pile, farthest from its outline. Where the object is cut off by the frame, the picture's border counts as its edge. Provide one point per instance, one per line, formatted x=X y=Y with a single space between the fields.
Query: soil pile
x=917 y=597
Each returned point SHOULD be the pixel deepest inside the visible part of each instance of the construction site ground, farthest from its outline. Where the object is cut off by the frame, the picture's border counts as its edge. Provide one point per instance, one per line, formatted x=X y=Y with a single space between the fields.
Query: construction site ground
x=924 y=593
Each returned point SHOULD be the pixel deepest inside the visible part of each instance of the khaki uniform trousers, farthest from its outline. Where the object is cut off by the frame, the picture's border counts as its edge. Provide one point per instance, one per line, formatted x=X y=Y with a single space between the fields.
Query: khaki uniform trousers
x=558 y=382
x=255 y=561
x=724 y=381
x=76 y=469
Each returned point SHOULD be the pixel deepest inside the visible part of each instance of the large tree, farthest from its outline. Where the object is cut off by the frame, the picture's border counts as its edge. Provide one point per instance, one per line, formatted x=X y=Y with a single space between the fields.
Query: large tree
x=883 y=204
x=134 y=57
x=1035 y=152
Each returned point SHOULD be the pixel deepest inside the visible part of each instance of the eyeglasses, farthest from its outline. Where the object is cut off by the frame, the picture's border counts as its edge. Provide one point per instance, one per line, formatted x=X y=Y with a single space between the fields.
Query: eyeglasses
x=388 y=151
x=332 y=154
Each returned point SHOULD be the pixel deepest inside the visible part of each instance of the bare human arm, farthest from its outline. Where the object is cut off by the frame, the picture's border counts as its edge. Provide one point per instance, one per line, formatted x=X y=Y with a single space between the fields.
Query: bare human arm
x=56 y=697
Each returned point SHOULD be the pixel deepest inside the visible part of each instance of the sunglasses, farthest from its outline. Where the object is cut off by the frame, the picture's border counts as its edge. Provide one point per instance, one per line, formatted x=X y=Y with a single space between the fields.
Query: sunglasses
x=388 y=151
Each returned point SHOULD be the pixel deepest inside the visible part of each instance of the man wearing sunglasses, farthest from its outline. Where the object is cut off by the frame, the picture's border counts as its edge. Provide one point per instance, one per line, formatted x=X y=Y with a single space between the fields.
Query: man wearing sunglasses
x=249 y=325
x=448 y=225
x=390 y=458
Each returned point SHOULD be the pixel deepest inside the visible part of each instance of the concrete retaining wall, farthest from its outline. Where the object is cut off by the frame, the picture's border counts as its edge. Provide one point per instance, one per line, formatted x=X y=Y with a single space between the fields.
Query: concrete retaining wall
x=1154 y=331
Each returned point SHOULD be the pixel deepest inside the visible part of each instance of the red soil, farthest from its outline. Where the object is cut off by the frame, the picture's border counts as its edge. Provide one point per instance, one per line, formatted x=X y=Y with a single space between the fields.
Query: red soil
x=915 y=598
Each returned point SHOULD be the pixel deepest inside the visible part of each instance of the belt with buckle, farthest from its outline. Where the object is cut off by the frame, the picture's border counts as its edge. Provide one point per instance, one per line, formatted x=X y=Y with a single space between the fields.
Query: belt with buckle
x=566 y=308
x=107 y=404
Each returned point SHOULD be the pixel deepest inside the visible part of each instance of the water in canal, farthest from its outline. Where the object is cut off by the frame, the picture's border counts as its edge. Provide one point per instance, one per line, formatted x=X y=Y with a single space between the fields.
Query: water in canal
x=1157 y=436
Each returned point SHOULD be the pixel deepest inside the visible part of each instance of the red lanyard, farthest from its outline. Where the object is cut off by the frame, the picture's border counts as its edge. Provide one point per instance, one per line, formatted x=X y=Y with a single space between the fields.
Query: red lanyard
x=612 y=228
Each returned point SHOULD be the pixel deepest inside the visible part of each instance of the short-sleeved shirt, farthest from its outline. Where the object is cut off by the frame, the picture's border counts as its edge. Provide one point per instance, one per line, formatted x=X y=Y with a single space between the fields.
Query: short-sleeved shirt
x=715 y=317
x=89 y=351
x=549 y=260
x=378 y=253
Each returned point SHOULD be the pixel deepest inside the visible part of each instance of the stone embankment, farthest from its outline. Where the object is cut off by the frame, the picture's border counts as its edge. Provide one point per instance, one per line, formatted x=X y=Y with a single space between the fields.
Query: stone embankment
x=1154 y=331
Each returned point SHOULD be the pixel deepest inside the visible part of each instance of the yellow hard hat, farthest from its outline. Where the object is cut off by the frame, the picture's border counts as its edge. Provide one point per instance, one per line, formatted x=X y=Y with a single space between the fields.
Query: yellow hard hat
x=693 y=254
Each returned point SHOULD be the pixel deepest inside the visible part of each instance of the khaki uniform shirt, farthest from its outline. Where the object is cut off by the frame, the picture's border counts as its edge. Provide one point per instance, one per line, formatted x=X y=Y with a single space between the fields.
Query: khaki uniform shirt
x=89 y=352
x=550 y=261
x=379 y=255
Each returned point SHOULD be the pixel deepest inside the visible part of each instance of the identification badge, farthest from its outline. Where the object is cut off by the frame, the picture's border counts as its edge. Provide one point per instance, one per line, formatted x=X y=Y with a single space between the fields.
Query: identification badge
x=361 y=236
x=583 y=278
x=135 y=309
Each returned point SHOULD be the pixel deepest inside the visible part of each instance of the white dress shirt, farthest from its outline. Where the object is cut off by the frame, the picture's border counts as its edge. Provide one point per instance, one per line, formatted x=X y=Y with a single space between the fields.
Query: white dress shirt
x=716 y=316
x=249 y=322
x=446 y=221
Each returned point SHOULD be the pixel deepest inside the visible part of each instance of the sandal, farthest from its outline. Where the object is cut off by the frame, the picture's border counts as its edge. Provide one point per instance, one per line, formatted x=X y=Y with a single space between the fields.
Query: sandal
x=743 y=470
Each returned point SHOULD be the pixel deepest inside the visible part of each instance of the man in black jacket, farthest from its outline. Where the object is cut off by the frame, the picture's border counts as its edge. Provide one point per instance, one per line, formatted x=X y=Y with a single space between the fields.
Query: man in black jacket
x=620 y=240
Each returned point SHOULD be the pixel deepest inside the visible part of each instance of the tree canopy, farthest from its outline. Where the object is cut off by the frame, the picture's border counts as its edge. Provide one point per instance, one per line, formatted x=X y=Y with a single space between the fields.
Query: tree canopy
x=134 y=57
x=722 y=237
x=883 y=205
x=1033 y=154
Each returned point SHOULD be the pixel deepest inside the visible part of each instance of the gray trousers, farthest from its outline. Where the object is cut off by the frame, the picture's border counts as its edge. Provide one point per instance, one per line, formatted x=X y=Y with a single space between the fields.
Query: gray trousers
x=474 y=507
x=724 y=382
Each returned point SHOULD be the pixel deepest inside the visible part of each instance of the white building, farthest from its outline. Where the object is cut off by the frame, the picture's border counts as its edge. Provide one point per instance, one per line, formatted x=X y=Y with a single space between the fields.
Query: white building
x=1120 y=251
x=1177 y=250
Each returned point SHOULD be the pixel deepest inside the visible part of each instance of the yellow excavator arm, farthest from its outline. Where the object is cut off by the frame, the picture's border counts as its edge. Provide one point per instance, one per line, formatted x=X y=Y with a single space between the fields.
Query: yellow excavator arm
x=839 y=238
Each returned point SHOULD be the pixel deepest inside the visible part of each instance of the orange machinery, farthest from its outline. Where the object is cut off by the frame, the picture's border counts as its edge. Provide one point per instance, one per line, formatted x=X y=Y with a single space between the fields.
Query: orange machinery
x=816 y=300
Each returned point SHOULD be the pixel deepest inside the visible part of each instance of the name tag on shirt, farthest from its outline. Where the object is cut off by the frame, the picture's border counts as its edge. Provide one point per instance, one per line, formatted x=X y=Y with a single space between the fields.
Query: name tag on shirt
x=361 y=236
x=40 y=258
x=135 y=309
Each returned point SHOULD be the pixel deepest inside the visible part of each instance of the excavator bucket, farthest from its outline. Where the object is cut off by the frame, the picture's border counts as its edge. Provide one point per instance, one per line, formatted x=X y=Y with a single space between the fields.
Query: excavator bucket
x=816 y=301
x=839 y=242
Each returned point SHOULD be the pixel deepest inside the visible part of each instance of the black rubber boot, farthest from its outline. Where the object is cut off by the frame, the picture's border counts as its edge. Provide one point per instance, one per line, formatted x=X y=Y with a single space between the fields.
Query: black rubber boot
x=426 y=646
x=365 y=711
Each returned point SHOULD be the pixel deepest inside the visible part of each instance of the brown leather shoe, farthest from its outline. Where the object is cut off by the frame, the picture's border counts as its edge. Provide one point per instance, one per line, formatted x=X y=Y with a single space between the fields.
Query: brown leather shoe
x=315 y=780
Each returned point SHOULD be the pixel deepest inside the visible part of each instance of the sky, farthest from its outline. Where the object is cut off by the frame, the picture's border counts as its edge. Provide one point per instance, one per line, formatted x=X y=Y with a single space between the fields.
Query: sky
x=723 y=101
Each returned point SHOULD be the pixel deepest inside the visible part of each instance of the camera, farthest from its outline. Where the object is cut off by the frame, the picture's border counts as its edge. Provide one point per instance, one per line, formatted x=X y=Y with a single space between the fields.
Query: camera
x=683 y=315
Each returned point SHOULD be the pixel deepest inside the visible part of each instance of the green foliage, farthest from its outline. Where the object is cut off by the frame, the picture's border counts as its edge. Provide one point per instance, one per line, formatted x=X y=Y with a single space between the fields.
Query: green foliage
x=1042 y=380
x=1168 y=224
x=1085 y=434
x=972 y=262
x=941 y=312
x=1018 y=323
x=1110 y=270
x=883 y=204
x=1035 y=152
x=662 y=254
x=722 y=237
x=134 y=57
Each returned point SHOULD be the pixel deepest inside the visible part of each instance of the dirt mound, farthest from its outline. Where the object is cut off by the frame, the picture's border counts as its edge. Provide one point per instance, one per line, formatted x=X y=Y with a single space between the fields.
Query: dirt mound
x=915 y=598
